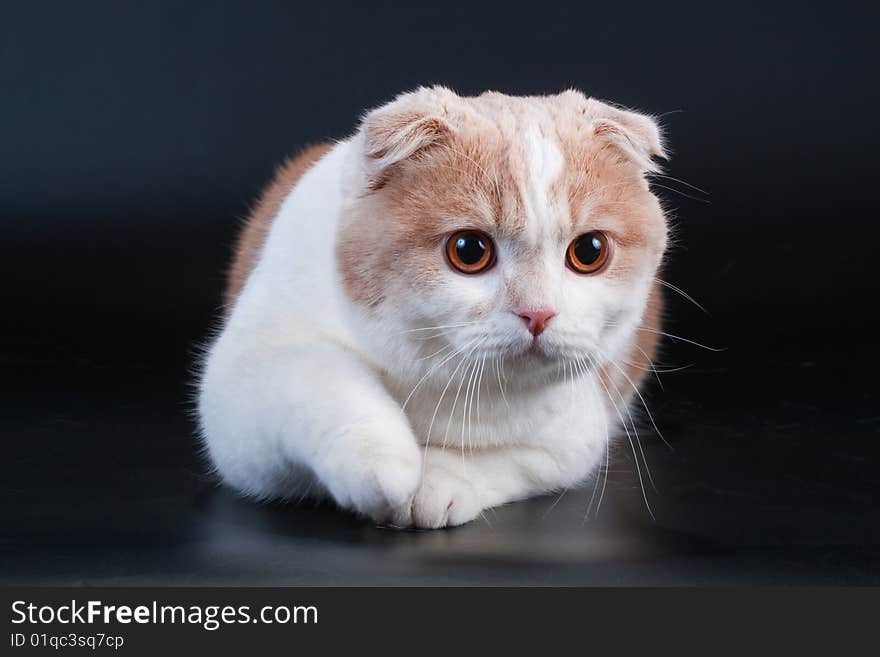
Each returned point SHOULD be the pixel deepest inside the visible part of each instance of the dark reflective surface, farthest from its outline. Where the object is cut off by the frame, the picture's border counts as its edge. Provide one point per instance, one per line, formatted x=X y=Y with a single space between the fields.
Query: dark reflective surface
x=772 y=479
x=130 y=154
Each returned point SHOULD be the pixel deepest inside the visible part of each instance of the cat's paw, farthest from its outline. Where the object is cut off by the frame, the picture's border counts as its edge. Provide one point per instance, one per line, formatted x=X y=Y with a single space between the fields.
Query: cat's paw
x=446 y=498
x=374 y=477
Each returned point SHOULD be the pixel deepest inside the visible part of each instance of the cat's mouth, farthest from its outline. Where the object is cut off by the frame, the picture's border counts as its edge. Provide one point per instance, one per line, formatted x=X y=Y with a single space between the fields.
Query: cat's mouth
x=543 y=349
x=539 y=348
x=546 y=348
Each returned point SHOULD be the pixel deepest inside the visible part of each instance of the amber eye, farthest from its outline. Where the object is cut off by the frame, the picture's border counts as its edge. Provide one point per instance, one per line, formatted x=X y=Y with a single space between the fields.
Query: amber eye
x=470 y=251
x=588 y=253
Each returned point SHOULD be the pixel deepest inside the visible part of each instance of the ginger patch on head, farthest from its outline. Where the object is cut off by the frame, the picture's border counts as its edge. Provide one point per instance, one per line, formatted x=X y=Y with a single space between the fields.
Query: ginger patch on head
x=525 y=170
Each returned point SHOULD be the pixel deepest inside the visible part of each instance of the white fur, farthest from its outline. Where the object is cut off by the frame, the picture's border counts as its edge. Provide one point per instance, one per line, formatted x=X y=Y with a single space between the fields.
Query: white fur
x=545 y=167
x=303 y=392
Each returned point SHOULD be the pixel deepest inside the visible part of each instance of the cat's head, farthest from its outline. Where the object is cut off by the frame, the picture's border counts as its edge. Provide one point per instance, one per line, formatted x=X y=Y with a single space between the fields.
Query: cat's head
x=495 y=226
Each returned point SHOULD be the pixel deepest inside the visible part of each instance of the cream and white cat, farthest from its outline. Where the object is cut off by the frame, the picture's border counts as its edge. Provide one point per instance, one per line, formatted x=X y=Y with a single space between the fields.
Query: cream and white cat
x=448 y=311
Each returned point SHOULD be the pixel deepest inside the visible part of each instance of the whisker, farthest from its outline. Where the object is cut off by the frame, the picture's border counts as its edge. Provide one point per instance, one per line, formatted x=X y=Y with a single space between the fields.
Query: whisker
x=553 y=506
x=664 y=114
x=651 y=364
x=465 y=413
x=654 y=370
x=441 y=326
x=439 y=351
x=479 y=386
x=503 y=373
x=498 y=362
x=454 y=403
x=678 y=180
x=629 y=438
x=607 y=446
x=632 y=423
x=431 y=371
x=432 y=336
x=598 y=473
x=684 y=294
x=607 y=465
x=678 y=191
x=678 y=337
x=442 y=394
x=641 y=398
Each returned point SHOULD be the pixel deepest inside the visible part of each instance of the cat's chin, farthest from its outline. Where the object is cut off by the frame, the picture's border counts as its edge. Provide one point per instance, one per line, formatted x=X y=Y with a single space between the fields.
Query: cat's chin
x=536 y=353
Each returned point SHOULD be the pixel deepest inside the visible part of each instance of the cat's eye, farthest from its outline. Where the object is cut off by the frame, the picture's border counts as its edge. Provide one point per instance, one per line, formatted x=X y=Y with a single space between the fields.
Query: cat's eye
x=588 y=253
x=470 y=251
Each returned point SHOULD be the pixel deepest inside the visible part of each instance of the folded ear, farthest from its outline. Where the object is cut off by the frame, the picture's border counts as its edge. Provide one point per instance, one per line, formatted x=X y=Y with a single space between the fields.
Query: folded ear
x=403 y=128
x=636 y=135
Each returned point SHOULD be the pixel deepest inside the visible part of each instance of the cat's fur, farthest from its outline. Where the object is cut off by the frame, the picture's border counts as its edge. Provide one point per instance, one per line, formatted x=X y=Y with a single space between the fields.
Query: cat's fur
x=355 y=364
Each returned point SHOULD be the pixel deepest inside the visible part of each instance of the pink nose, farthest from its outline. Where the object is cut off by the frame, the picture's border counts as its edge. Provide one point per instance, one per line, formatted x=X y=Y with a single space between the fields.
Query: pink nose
x=536 y=320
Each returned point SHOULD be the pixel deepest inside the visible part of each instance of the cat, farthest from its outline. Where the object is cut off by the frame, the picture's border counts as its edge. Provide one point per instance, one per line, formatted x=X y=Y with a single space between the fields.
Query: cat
x=448 y=311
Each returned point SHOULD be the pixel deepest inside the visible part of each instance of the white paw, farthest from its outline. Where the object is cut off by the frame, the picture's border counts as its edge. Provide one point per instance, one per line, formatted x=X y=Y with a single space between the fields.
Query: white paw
x=446 y=497
x=374 y=477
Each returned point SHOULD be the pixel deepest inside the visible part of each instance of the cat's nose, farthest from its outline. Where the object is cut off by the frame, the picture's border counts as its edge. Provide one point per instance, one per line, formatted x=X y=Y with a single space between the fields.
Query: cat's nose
x=536 y=320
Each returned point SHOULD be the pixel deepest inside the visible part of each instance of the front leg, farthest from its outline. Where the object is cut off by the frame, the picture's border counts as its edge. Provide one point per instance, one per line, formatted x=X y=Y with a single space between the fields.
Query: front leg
x=457 y=487
x=286 y=420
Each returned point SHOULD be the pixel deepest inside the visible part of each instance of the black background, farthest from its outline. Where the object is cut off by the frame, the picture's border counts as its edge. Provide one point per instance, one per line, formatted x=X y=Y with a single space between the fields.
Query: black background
x=134 y=137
